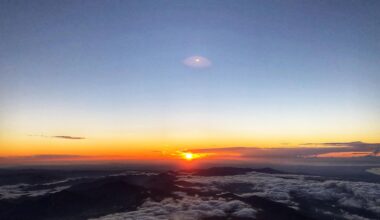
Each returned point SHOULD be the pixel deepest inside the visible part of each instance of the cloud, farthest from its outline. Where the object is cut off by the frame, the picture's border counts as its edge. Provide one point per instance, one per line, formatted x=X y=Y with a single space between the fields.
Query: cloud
x=42 y=158
x=19 y=190
x=222 y=149
x=186 y=208
x=294 y=190
x=375 y=171
x=33 y=190
x=300 y=151
x=245 y=213
x=54 y=156
x=354 y=146
x=197 y=62
x=67 y=137
x=351 y=149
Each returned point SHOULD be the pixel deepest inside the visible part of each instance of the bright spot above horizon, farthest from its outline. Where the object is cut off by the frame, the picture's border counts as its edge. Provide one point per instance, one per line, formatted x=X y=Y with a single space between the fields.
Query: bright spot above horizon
x=197 y=62
x=191 y=156
x=188 y=156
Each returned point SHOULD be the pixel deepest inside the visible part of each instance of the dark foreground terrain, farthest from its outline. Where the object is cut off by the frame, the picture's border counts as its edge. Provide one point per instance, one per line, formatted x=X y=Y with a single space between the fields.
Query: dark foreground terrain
x=215 y=193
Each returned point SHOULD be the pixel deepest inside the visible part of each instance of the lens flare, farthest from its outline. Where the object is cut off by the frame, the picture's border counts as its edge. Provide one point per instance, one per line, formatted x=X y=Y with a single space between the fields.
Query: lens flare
x=197 y=62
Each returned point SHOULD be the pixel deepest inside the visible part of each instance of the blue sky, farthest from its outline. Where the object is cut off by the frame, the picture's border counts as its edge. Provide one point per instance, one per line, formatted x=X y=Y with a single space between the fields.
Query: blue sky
x=306 y=66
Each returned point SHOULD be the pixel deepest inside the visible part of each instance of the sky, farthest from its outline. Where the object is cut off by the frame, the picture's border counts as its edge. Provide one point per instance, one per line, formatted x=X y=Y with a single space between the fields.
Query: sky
x=149 y=79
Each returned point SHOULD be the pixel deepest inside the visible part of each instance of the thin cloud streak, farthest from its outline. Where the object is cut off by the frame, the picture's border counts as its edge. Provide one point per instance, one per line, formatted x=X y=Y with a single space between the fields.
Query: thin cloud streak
x=354 y=146
x=358 y=152
x=45 y=157
x=56 y=156
x=42 y=158
x=67 y=137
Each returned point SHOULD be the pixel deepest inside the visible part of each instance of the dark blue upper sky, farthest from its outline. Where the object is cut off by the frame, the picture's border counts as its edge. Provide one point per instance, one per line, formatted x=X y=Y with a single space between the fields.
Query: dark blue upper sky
x=297 y=65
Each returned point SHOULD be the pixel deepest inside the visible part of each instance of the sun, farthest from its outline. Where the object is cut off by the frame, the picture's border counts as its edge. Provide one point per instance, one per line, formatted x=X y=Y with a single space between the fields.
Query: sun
x=188 y=156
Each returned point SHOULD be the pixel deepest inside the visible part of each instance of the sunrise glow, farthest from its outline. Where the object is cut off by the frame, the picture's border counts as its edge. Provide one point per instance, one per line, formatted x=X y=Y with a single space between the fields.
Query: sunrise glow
x=189 y=109
x=188 y=156
x=226 y=87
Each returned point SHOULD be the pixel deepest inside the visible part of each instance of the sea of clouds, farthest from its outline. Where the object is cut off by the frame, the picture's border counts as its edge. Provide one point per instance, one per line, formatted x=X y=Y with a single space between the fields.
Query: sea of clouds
x=186 y=207
x=19 y=190
x=346 y=195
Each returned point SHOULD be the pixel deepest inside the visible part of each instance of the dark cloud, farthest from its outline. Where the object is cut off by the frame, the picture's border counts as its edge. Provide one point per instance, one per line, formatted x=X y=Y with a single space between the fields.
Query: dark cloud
x=55 y=156
x=68 y=137
x=353 y=146
x=41 y=158
x=222 y=149
x=44 y=157
x=366 y=151
x=376 y=151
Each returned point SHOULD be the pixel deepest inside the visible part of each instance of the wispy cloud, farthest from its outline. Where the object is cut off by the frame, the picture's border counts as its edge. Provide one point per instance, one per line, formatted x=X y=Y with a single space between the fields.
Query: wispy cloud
x=67 y=137
x=352 y=146
x=361 y=151
x=188 y=207
x=44 y=158
x=39 y=157
x=55 y=156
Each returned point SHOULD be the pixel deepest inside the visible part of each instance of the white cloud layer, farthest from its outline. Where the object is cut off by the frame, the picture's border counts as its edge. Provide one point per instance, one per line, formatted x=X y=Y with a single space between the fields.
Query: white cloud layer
x=375 y=171
x=18 y=190
x=282 y=188
x=185 y=208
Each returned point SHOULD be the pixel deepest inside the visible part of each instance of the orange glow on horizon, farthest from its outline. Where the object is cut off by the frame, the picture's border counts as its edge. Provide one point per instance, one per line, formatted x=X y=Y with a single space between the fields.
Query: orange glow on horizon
x=188 y=156
x=191 y=156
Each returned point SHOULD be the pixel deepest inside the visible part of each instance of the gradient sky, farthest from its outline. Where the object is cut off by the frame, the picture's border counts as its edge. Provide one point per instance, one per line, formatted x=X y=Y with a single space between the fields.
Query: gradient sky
x=281 y=73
